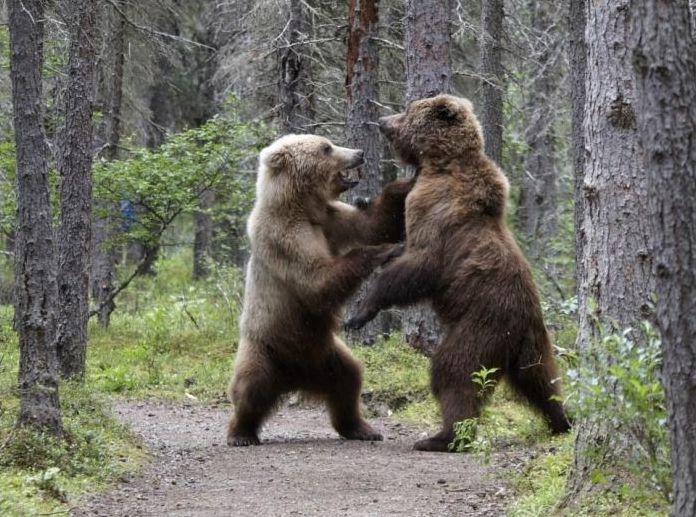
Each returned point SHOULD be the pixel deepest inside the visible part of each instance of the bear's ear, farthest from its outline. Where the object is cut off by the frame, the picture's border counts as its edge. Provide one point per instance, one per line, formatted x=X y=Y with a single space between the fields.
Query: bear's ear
x=445 y=112
x=278 y=159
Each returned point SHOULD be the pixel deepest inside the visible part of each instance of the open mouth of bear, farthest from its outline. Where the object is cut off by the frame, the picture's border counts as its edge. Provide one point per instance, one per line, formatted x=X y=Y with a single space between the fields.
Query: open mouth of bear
x=350 y=177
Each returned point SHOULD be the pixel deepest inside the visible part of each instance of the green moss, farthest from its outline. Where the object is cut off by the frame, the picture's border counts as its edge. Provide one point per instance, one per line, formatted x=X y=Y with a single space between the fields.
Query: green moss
x=39 y=474
x=540 y=489
x=395 y=375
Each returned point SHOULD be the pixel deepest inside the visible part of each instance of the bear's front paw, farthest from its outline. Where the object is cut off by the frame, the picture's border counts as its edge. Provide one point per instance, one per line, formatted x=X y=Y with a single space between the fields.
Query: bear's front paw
x=391 y=253
x=359 y=320
x=243 y=440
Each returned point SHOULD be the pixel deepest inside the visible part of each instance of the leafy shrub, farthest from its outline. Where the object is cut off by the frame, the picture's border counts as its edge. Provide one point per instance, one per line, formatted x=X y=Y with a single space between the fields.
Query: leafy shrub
x=618 y=383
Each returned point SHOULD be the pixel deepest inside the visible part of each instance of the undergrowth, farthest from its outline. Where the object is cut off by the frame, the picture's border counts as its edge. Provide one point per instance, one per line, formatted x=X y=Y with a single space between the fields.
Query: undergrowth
x=176 y=339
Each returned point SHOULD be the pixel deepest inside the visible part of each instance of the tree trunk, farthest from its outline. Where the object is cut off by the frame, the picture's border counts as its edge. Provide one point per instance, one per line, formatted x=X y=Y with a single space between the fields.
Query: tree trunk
x=427 y=42
x=36 y=290
x=616 y=279
x=492 y=86
x=539 y=192
x=428 y=73
x=104 y=255
x=665 y=65
x=362 y=131
x=692 y=6
x=296 y=90
x=203 y=235
x=75 y=166
x=577 y=70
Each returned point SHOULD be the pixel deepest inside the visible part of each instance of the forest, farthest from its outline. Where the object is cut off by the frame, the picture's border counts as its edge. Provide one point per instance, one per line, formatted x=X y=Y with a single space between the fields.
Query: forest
x=130 y=136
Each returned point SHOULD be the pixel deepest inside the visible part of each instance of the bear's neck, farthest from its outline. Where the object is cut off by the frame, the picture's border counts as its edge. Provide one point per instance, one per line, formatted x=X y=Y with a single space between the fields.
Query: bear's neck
x=469 y=159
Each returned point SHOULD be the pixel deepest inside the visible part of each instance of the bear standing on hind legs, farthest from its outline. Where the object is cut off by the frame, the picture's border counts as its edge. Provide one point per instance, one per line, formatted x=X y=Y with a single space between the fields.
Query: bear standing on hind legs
x=309 y=253
x=462 y=257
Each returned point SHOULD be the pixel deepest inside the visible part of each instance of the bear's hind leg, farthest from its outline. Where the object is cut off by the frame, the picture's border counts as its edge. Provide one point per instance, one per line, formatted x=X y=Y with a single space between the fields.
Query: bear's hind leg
x=341 y=386
x=459 y=400
x=536 y=381
x=254 y=396
x=452 y=367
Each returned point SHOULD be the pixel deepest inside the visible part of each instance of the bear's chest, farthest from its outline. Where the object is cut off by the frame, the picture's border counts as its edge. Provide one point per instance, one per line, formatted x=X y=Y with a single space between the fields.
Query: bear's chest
x=429 y=204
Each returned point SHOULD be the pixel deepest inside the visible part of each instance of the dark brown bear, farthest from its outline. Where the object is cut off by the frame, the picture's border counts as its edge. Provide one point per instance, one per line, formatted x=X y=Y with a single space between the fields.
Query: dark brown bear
x=461 y=256
x=309 y=252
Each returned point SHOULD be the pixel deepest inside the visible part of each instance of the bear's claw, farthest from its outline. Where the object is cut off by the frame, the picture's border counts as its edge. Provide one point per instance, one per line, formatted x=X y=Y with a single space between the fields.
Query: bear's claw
x=243 y=441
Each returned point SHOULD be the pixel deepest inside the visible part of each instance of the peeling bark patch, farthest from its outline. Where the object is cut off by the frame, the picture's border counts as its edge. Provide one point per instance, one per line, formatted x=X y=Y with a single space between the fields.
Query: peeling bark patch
x=621 y=114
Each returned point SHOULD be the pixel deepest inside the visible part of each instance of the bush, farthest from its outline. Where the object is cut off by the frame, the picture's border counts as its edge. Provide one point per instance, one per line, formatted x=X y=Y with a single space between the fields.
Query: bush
x=618 y=383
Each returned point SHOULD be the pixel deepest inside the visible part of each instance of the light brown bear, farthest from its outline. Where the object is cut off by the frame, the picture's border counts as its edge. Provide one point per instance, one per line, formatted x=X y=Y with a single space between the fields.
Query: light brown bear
x=461 y=256
x=309 y=253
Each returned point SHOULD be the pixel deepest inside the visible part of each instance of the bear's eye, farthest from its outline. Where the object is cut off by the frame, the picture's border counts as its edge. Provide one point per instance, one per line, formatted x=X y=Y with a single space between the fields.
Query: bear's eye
x=444 y=112
x=326 y=149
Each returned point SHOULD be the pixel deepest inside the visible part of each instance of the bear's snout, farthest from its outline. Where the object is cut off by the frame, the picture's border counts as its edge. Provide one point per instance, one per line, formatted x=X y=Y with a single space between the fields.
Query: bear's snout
x=389 y=124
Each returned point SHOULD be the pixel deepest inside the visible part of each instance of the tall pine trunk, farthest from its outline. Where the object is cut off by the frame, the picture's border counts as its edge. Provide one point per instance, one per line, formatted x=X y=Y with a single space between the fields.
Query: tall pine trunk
x=362 y=131
x=104 y=230
x=203 y=235
x=539 y=186
x=75 y=166
x=665 y=65
x=577 y=58
x=36 y=291
x=428 y=73
x=492 y=13
x=616 y=280
x=296 y=90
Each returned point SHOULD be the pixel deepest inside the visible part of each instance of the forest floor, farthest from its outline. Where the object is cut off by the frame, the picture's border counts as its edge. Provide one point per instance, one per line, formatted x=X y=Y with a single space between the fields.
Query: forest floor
x=302 y=468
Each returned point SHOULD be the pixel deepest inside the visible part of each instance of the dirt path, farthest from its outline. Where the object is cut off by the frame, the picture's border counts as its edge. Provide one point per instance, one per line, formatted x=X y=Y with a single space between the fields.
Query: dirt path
x=303 y=468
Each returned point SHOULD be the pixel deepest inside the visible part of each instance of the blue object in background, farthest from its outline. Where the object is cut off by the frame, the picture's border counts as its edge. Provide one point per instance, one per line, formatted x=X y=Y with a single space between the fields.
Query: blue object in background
x=128 y=215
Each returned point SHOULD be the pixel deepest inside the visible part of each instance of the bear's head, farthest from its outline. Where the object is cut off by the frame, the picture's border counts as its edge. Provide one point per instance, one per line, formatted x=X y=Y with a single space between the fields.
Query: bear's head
x=309 y=164
x=436 y=128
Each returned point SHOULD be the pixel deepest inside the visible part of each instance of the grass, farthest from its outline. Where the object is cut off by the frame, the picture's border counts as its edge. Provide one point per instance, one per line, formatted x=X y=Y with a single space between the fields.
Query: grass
x=171 y=339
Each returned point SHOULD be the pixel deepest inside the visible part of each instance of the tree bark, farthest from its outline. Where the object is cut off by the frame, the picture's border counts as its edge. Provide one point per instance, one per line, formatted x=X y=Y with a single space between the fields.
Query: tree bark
x=362 y=131
x=104 y=255
x=203 y=235
x=296 y=94
x=36 y=290
x=616 y=280
x=665 y=65
x=492 y=85
x=75 y=167
x=428 y=73
x=539 y=186
x=427 y=42
x=577 y=58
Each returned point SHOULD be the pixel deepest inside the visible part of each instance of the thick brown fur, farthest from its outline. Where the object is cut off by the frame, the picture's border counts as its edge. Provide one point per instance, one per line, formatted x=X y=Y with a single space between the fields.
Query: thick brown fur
x=309 y=252
x=462 y=257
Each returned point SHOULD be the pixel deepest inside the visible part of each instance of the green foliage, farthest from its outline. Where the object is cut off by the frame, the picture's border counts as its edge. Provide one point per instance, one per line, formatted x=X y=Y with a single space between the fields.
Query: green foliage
x=8 y=202
x=618 y=383
x=466 y=437
x=172 y=338
x=168 y=181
